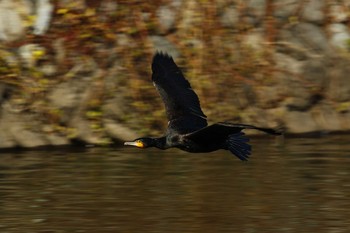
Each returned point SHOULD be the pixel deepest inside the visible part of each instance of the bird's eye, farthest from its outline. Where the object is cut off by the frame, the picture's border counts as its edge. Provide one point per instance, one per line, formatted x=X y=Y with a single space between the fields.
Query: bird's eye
x=139 y=143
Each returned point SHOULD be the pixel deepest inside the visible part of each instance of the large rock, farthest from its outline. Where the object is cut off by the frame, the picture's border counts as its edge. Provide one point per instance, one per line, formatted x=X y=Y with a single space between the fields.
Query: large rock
x=327 y=118
x=257 y=8
x=313 y=11
x=338 y=12
x=269 y=96
x=300 y=122
x=312 y=37
x=291 y=45
x=12 y=14
x=339 y=85
x=284 y=9
x=289 y=65
x=68 y=96
x=262 y=117
x=297 y=96
x=301 y=99
x=83 y=133
x=255 y=39
x=161 y=43
x=306 y=89
x=17 y=132
x=322 y=117
x=314 y=75
x=167 y=18
x=114 y=111
x=44 y=9
x=340 y=36
x=71 y=99
x=344 y=121
x=230 y=17
x=118 y=132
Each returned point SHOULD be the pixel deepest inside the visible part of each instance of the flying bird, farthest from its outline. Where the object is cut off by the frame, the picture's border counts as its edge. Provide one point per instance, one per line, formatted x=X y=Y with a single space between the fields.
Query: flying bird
x=188 y=129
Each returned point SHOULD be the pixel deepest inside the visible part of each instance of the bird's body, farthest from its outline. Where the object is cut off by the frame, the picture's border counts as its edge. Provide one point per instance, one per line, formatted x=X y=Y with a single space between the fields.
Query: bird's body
x=187 y=127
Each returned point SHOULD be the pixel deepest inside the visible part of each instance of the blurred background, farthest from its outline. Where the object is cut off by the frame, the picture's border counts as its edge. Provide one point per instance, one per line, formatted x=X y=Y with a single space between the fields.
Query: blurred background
x=79 y=71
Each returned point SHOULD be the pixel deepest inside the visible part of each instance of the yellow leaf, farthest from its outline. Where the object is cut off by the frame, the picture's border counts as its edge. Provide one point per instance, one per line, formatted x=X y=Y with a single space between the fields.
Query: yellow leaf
x=29 y=21
x=38 y=53
x=62 y=11
x=93 y=114
x=90 y=12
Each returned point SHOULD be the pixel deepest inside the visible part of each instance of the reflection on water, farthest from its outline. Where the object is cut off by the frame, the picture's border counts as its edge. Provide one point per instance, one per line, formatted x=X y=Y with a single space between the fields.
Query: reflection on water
x=302 y=186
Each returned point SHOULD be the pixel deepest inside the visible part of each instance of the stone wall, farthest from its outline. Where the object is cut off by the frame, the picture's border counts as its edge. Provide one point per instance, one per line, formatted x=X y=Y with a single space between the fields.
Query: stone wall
x=78 y=71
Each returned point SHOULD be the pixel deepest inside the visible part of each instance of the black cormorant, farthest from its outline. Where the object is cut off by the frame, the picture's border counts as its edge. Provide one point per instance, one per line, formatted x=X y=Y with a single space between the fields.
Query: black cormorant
x=187 y=127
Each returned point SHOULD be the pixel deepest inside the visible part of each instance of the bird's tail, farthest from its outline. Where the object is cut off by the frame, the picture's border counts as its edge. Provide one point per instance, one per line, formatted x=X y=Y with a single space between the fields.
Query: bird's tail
x=266 y=130
x=238 y=145
x=277 y=131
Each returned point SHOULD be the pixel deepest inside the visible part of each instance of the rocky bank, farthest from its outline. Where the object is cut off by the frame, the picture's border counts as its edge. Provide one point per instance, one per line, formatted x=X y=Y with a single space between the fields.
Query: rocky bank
x=79 y=71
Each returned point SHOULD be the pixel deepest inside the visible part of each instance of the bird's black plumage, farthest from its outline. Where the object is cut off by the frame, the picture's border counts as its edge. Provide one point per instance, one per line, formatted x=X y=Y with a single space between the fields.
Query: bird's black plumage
x=181 y=102
x=187 y=127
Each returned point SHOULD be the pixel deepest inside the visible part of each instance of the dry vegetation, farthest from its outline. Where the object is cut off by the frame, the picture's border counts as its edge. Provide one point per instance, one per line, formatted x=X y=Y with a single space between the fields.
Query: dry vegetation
x=117 y=43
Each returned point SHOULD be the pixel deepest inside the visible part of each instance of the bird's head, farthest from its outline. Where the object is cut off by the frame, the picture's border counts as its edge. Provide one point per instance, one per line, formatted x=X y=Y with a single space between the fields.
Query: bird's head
x=141 y=142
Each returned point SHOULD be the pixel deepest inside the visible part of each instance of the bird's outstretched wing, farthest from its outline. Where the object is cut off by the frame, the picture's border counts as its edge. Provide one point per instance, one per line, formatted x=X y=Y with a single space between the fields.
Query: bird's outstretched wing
x=181 y=102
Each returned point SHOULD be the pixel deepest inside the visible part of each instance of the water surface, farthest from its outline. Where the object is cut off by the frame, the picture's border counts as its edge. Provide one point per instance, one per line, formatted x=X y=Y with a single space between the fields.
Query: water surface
x=300 y=186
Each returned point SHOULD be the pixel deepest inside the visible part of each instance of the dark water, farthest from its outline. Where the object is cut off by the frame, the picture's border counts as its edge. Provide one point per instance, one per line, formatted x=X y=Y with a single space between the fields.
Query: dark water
x=301 y=186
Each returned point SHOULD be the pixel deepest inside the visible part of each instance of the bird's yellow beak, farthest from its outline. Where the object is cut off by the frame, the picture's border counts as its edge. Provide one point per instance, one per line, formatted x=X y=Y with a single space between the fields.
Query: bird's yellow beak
x=135 y=143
